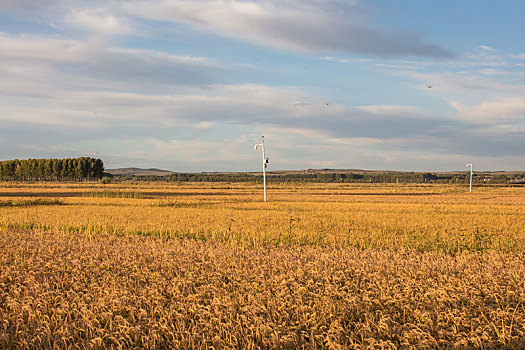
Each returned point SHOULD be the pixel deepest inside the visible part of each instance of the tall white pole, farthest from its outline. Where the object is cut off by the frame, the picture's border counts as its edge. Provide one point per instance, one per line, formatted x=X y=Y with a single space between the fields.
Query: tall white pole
x=470 y=165
x=264 y=167
x=264 y=163
x=471 y=178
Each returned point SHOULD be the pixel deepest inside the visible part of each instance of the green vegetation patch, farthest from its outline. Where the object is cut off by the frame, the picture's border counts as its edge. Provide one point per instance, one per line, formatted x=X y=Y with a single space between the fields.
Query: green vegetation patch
x=115 y=194
x=32 y=202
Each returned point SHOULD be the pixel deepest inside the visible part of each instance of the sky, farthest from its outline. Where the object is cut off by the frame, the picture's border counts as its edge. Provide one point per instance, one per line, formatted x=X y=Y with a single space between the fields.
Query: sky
x=191 y=85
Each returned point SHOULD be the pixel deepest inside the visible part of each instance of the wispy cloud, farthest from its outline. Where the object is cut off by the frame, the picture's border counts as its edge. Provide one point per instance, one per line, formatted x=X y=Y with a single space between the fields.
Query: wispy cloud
x=393 y=110
x=520 y=56
x=311 y=26
x=98 y=20
x=486 y=56
x=314 y=26
x=46 y=63
x=506 y=109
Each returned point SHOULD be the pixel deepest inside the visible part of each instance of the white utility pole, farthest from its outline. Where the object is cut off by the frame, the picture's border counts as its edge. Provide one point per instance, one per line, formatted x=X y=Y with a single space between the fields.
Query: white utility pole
x=264 y=163
x=470 y=165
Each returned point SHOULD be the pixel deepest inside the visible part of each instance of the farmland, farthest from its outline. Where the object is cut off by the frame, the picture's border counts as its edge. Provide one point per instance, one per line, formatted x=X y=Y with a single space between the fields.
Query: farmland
x=320 y=265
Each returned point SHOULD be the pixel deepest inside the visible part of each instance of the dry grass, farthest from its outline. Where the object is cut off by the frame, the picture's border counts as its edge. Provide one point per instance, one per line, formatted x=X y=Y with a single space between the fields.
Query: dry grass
x=147 y=292
x=196 y=266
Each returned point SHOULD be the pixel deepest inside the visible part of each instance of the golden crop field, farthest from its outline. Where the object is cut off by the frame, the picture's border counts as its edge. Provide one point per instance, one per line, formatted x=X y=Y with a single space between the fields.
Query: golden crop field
x=200 y=265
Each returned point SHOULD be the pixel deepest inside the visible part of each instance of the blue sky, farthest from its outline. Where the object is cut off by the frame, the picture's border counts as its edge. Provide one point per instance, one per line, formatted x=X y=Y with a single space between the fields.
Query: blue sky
x=191 y=85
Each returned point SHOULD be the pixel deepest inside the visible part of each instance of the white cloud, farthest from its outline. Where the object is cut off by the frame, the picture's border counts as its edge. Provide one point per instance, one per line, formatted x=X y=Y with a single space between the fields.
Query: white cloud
x=244 y=103
x=487 y=48
x=98 y=20
x=486 y=56
x=506 y=109
x=347 y=60
x=520 y=56
x=92 y=52
x=32 y=47
x=392 y=110
x=25 y=6
x=36 y=65
x=204 y=125
x=198 y=151
x=492 y=71
x=469 y=84
x=304 y=25
x=289 y=25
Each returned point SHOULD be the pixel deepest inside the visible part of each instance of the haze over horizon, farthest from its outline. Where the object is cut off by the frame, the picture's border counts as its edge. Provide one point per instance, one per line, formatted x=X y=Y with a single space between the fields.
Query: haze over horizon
x=191 y=85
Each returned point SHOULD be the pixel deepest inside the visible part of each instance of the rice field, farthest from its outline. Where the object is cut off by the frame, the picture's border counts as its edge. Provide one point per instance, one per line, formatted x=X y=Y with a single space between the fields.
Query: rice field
x=199 y=265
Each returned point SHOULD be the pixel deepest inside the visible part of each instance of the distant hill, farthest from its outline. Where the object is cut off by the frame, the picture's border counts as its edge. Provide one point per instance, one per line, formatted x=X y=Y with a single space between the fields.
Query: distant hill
x=138 y=172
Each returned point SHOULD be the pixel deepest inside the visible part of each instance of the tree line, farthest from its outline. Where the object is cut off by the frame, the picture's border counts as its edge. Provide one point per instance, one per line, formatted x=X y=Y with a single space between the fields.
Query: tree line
x=83 y=168
x=336 y=177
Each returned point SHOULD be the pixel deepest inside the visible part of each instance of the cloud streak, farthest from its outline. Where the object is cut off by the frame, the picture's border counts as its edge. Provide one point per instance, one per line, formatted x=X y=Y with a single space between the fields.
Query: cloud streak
x=99 y=64
x=290 y=25
x=312 y=26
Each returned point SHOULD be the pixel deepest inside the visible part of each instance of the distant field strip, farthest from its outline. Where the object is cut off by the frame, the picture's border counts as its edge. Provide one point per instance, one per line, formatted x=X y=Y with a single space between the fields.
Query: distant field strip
x=423 y=218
